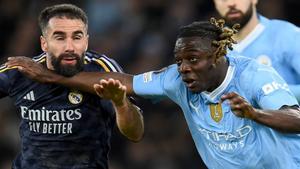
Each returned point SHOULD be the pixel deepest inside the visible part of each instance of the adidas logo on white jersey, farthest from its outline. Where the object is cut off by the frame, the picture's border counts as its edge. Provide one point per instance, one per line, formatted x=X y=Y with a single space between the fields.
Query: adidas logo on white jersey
x=29 y=96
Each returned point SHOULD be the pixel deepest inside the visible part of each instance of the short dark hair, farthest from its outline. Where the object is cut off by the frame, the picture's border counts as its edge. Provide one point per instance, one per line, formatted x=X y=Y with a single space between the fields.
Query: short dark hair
x=69 y=11
x=214 y=30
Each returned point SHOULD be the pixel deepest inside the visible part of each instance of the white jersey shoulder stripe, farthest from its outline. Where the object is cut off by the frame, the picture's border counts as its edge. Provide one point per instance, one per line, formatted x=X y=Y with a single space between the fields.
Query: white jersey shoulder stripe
x=40 y=58
x=110 y=65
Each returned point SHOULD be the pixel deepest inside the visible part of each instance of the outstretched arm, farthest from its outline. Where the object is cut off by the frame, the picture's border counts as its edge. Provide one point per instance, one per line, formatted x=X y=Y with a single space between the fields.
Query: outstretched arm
x=83 y=81
x=286 y=119
x=128 y=116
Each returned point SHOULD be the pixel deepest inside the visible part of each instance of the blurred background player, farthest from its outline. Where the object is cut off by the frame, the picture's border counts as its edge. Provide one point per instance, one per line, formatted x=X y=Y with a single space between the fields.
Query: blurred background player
x=63 y=127
x=270 y=42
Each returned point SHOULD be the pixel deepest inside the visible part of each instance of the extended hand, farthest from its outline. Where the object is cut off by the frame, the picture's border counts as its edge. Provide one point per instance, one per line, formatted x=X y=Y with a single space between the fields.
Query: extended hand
x=30 y=68
x=239 y=106
x=111 y=89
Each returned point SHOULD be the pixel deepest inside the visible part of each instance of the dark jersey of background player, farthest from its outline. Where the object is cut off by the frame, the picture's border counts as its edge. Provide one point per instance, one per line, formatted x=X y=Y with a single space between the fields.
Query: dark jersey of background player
x=61 y=127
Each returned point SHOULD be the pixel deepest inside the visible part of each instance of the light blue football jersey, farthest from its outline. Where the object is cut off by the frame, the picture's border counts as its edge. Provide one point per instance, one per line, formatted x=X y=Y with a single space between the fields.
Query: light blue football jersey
x=275 y=43
x=224 y=140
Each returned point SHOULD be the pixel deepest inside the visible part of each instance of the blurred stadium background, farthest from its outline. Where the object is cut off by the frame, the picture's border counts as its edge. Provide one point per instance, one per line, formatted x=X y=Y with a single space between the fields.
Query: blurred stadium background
x=140 y=35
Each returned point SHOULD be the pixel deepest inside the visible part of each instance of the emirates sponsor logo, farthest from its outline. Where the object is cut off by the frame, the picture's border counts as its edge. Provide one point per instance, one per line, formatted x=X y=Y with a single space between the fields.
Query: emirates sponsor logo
x=50 y=121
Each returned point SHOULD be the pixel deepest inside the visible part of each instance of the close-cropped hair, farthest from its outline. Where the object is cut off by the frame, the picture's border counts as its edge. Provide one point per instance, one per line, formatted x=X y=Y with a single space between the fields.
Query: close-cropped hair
x=69 y=11
x=214 y=30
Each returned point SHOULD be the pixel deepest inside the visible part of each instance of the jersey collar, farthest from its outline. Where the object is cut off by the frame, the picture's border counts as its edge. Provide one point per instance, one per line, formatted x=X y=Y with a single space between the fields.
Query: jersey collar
x=212 y=97
x=255 y=33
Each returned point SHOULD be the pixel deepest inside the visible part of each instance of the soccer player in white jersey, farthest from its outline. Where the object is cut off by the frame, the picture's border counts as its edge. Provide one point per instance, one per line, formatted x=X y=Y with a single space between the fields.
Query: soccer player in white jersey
x=241 y=114
x=270 y=41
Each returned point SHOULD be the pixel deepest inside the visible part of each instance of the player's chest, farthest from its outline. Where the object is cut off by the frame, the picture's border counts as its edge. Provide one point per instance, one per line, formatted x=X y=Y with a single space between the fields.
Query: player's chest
x=214 y=115
x=49 y=109
x=44 y=95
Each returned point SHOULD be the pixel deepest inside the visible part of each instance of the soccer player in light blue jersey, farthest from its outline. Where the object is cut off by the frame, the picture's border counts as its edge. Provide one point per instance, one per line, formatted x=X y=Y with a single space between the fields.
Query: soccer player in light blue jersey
x=241 y=114
x=271 y=42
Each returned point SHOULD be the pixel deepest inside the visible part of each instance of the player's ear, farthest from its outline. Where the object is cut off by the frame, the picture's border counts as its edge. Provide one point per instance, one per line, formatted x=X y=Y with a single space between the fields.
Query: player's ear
x=254 y=2
x=44 y=44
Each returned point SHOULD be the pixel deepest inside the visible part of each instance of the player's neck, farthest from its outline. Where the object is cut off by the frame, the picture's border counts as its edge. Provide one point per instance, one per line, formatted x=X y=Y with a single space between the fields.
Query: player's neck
x=220 y=73
x=224 y=64
x=48 y=63
x=248 y=28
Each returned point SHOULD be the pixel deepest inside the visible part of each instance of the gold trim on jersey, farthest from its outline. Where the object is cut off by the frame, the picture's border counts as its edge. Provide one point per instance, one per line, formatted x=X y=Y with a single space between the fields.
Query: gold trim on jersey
x=41 y=59
x=216 y=112
x=85 y=61
x=4 y=68
x=99 y=61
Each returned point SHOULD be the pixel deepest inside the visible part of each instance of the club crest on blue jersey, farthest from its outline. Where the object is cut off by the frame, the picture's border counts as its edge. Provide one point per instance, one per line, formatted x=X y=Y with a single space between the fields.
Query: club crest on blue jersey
x=216 y=112
x=75 y=97
x=264 y=59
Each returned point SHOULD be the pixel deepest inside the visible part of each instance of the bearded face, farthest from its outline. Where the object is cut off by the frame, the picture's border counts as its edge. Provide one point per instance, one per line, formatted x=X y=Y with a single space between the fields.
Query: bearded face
x=67 y=64
x=65 y=41
x=234 y=16
x=233 y=12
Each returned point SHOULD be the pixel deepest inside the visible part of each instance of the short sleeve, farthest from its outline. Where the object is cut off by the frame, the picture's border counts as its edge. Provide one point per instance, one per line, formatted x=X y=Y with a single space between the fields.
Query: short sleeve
x=156 y=84
x=270 y=90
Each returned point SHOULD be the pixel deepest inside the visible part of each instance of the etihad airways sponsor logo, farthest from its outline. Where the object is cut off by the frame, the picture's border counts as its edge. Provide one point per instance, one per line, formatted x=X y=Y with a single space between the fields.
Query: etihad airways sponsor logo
x=50 y=121
x=229 y=136
x=228 y=141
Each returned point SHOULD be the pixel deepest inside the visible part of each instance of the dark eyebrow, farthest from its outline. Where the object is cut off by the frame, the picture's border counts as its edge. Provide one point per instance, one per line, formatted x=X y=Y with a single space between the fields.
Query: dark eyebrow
x=78 y=32
x=59 y=33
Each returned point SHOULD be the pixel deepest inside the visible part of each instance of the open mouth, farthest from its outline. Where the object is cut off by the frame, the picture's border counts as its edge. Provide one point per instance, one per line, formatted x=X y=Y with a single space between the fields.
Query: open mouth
x=189 y=82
